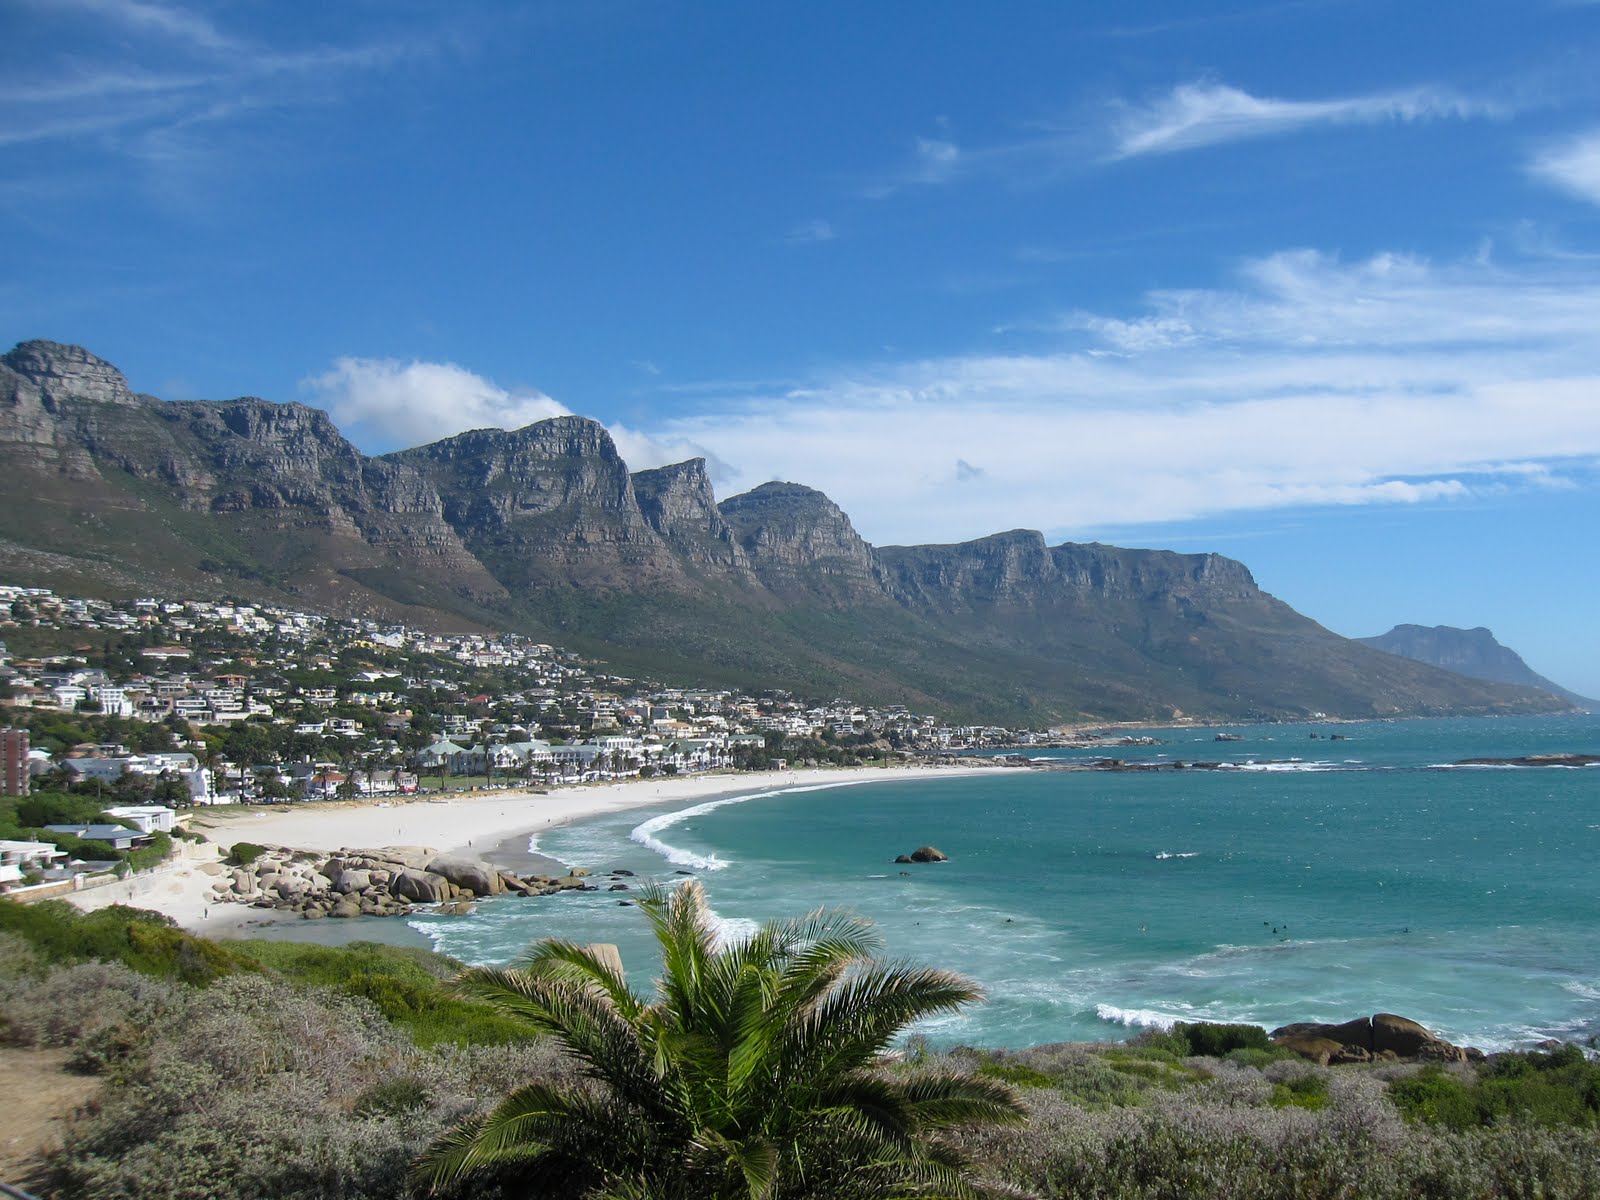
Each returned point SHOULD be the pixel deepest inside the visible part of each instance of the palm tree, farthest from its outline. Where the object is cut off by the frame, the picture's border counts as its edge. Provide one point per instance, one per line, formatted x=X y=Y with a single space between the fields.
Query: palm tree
x=758 y=1071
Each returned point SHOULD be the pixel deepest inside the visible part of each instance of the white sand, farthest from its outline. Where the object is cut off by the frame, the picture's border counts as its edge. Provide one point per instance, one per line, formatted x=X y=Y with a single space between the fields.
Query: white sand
x=474 y=824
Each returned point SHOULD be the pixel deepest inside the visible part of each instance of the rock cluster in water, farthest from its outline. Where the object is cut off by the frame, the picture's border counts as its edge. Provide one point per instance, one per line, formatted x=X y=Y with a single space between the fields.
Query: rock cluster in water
x=383 y=882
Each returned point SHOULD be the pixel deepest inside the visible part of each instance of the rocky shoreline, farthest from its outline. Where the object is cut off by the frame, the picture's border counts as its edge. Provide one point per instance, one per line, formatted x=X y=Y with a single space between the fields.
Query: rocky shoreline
x=387 y=881
x=1382 y=1037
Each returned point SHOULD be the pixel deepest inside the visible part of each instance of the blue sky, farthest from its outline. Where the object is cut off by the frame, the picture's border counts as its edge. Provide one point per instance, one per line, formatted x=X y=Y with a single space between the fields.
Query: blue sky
x=1313 y=284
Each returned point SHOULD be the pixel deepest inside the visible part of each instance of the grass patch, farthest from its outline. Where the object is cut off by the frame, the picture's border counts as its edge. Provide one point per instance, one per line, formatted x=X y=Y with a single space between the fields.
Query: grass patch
x=1156 y=1067
x=410 y=987
x=1017 y=1073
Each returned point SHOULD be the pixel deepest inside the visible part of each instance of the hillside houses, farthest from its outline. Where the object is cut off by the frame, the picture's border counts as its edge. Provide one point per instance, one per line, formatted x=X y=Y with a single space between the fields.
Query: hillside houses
x=246 y=701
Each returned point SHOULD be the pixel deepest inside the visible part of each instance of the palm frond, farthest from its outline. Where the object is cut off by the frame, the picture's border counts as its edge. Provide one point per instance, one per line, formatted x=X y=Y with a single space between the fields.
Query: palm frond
x=855 y=1021
x=584 y=1021
x=940 y=1100
x=523 y=1126
x=568 y=961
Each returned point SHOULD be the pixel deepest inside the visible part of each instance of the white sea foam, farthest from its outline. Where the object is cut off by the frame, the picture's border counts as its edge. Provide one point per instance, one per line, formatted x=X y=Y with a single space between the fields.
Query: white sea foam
x=645 y=834
x=1136 y=1018
x=731 y=929
x=1291 y=765
x=1164 y=854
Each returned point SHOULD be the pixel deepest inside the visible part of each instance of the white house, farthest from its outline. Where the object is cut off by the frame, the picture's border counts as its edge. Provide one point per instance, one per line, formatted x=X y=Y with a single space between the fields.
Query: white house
x=18 y=858
x=146 y=818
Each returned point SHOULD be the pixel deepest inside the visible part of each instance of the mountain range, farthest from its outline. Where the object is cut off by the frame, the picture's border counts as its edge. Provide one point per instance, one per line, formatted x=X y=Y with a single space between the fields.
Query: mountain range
x=544 y=529
x=1475 y=653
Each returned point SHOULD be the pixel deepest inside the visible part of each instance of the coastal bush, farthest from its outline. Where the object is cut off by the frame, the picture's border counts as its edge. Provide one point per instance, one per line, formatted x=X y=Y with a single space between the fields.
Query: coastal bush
x=408 y=986
x=147 y=942
x=1550 y=1089
x=1308 y=1090
x=1224 y=1138
x=244 y=854
x=153 y=854
x=1211 y=1040
x=95 y=1008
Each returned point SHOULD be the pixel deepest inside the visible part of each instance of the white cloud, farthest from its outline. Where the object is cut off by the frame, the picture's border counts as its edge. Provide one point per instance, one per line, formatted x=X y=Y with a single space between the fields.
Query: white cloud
x=388 y=402
x=1573 y=166
x=1389 y=381
x=1204 y=114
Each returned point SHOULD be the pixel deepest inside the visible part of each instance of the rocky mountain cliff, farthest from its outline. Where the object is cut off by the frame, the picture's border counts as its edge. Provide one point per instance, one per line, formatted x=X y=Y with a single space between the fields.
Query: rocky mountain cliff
x=545 y=529
x=1475 y=653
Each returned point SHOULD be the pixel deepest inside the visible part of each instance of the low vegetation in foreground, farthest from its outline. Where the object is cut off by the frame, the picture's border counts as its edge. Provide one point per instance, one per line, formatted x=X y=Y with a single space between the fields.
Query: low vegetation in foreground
x=271 y=1071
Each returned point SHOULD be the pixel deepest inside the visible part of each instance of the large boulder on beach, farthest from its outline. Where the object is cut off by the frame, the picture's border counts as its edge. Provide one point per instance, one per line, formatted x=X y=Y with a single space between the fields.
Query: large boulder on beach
x=420 y=886
x=472 y=873
x=415 y=857
x=350 y=879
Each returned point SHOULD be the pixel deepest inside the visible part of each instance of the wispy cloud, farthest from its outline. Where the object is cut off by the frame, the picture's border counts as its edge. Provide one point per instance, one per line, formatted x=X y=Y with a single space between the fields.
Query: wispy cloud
x=1309 y=382
x=809 y=233
x=1186 y=117
x=162 y=20
x=136 y=80
x=1206 y=114
x=1572 y=165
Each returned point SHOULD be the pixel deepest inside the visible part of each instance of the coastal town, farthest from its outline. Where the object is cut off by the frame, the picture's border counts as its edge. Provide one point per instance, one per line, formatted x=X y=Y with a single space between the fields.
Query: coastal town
x=155 y=706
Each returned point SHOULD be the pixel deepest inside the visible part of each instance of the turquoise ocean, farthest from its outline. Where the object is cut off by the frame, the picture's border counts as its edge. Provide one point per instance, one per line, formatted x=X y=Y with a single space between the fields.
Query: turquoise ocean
x=1319 y=880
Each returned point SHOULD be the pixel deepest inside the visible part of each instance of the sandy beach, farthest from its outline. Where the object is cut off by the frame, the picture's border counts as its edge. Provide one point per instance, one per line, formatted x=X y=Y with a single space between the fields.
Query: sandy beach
x=495 y=826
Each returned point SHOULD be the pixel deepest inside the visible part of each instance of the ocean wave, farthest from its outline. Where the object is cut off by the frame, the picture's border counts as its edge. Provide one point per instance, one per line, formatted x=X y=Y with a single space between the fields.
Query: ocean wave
x=731 y=929
x=1136 y=1018
x=645 y=834
x=1165 y=854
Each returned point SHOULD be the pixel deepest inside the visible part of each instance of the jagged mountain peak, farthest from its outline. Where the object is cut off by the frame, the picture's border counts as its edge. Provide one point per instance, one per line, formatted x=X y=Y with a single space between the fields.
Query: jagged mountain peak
x=563 y=435
x=61 y=371
x=544 y=528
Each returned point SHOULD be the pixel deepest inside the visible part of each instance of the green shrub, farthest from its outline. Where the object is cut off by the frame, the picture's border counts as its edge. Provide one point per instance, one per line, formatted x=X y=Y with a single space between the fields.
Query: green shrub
x=1212 y=1040
x=393 y=1097
x=1554 y=1090
x=1168 y=1044
x=410 y=987
x=1301 y=1091
x=244 y=853
x=145 y=941
x=1260 y=1058
x=142 y=858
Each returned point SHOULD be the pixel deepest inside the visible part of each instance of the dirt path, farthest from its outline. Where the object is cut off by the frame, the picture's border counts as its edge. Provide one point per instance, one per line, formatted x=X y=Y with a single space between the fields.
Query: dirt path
x=39 y=1097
